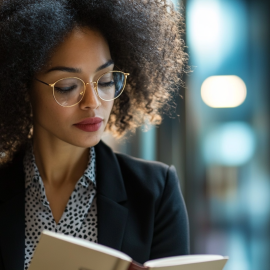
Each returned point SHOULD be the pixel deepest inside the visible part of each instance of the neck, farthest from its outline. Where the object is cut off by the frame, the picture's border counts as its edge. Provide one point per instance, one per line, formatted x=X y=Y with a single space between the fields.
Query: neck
x=58 y=162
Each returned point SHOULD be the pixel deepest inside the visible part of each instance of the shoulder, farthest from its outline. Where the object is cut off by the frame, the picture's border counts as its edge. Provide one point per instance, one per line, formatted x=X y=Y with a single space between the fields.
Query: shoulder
x=140 y=167
x=12 y=177
x=136 y=172
x=141 y=181
x=152 y=177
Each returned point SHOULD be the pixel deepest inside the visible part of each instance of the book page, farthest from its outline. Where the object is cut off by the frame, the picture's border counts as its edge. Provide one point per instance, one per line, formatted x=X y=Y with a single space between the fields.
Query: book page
x=189 y=262
x=61 y=252
x=88 y=244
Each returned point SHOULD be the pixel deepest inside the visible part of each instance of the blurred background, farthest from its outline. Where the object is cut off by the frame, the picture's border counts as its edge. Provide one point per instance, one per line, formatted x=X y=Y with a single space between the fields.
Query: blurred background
x=218 y=136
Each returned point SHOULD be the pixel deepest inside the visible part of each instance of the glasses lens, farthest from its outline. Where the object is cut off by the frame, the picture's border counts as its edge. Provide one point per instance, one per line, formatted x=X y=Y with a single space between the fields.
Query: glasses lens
x=68 y=91
x=111 y=85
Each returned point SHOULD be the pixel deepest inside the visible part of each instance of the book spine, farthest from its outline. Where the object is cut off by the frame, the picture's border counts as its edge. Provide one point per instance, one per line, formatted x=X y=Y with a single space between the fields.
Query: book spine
x=136 y=266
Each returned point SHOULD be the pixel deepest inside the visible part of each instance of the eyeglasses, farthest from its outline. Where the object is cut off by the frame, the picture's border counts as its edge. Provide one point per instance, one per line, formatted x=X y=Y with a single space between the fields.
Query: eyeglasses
x=70 y=91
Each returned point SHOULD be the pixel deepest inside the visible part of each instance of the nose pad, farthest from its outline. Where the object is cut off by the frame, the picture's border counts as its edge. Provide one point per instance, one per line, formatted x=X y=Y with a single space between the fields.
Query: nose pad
x=92 y=89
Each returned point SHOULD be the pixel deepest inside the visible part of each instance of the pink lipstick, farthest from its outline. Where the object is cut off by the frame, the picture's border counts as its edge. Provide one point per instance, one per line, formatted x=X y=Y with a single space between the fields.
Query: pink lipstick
x=90 y=124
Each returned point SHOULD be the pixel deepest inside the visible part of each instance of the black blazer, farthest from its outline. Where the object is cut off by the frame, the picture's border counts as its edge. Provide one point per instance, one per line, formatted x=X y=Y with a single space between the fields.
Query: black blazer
x=140 y=208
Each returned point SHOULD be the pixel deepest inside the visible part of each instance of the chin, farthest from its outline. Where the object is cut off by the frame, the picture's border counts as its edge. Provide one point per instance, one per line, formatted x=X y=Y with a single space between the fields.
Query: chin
x=92 y=140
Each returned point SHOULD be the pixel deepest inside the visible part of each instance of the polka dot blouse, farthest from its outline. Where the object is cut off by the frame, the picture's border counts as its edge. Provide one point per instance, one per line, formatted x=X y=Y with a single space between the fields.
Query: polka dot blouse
x=80 y=216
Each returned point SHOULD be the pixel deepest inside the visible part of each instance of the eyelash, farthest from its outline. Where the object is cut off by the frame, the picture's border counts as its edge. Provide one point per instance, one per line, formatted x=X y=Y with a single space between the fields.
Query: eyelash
x=58 y=89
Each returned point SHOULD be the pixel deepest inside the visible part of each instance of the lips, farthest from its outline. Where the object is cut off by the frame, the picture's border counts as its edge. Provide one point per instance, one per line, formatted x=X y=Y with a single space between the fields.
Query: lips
x=90 y=124
x=90 y=121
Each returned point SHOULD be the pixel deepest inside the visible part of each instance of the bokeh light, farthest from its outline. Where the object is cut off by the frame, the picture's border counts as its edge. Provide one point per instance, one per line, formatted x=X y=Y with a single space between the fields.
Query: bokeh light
x=223 y=91
x=230 y=144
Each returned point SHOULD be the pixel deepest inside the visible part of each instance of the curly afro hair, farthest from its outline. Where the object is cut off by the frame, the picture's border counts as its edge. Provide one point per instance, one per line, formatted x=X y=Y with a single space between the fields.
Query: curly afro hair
x=144 y=37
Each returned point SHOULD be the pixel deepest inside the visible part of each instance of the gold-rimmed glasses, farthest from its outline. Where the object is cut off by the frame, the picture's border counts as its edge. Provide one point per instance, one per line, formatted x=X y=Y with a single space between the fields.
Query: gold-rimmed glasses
x=70 y=91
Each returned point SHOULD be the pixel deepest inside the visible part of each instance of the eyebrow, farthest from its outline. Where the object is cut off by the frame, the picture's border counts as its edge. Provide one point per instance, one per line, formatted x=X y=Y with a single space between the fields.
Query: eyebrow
x=78 y=70
x=110 y=62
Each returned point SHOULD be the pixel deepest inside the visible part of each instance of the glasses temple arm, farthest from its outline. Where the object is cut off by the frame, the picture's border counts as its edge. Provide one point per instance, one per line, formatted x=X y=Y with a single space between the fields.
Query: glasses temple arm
x=42 y=82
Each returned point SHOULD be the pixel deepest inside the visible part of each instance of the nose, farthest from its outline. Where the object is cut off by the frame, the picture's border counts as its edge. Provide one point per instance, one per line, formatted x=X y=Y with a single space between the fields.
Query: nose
x=90 y=99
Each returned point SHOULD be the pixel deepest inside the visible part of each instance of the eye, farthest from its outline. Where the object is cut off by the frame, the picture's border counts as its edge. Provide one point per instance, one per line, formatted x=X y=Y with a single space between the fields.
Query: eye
x=65 y=88
x=106 y=84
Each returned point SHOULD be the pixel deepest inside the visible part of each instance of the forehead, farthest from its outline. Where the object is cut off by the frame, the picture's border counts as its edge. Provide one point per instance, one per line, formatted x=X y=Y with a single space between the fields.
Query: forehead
x=83 y=48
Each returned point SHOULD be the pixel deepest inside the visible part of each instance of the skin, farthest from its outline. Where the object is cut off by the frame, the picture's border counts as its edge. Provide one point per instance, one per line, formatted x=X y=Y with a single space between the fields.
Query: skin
x=61 y=149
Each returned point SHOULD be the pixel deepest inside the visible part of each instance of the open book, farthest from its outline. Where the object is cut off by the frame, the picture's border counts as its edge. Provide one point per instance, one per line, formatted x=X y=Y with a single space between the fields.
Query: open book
x=61 y=252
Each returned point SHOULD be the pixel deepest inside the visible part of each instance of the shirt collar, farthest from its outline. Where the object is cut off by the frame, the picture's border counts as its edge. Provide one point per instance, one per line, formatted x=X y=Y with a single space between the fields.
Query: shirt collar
x=32 y=174
x=90 y=172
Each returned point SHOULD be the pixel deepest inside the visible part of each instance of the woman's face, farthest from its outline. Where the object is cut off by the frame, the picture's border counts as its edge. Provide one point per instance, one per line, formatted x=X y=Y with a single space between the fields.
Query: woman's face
x=84 y=54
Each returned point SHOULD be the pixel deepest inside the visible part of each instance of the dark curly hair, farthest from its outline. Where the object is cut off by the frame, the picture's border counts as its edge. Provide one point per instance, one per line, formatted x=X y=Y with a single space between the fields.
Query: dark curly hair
x=144 y=37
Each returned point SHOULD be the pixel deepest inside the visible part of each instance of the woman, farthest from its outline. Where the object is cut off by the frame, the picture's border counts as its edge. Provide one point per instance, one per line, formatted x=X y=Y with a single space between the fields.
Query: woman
x=68 y=71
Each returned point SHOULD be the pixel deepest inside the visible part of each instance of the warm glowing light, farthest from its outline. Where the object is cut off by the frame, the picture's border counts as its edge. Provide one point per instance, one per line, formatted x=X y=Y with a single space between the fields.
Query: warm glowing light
x=223 y=91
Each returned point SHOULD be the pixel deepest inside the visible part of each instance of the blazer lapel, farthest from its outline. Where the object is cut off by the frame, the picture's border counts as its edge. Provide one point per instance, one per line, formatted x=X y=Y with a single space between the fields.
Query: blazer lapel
x=12 y=214
x=111 y=193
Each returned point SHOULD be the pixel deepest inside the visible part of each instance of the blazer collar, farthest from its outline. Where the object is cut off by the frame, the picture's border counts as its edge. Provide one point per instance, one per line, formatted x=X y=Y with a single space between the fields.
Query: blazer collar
x=109 y=177
x=111 y=195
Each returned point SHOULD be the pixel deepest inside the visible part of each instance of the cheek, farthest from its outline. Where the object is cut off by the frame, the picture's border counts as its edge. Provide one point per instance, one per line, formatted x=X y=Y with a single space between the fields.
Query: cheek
x=107 y=108
x=46 y=112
